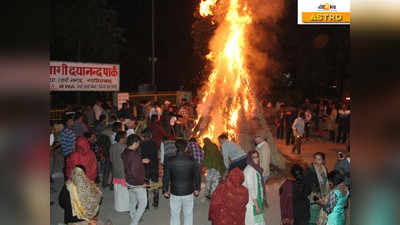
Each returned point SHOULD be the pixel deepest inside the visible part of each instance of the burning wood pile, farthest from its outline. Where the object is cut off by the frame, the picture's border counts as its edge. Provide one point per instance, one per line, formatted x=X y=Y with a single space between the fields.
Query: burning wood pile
x=227 y=101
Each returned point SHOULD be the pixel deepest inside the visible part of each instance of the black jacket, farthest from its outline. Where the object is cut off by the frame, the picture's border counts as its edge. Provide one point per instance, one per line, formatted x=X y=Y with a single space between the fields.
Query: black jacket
x=311 y=179
x=183 y=173
x=289 y=119
x=301 y=204
x=104 y=141
x=149 y=150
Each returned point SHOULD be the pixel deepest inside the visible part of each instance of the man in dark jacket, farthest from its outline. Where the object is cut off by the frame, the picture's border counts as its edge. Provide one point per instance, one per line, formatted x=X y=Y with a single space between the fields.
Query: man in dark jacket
x=98 y=151
x=104 y=142
x=343 y=120
x=124 y=111
x=140 y=111
x=183 y=173
x=101 y=124
x=301 y=204
x=343 y=165
x=135 y=177
x=149 y=150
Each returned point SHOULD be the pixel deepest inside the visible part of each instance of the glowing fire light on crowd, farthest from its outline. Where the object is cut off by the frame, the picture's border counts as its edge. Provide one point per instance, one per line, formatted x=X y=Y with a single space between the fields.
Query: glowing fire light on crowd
x=226 y=100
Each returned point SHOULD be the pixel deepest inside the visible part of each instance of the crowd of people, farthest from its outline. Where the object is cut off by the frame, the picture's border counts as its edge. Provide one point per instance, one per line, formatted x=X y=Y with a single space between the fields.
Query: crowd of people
x=139 y=150
x=316 y=196
x=327 y=119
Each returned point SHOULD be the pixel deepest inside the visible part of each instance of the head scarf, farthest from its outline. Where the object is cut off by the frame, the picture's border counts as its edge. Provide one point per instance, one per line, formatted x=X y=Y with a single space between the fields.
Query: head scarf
x=228 y=202
x=251 y=162
x=85 y=195
x=212 y=157
x=82 y=144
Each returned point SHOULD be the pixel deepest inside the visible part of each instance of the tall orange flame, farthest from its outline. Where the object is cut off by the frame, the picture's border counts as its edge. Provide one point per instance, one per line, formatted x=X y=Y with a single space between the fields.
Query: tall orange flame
x=226 y=97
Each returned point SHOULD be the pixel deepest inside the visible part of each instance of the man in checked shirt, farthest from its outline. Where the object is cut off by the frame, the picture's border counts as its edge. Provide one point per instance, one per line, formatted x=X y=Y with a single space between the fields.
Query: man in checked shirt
x=195 y=150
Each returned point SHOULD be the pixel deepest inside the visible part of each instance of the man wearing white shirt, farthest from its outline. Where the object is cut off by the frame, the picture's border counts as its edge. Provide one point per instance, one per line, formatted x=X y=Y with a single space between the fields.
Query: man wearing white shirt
x=155 y=110
x=172 y=123
x=131 y=127
x=298 y=132
x=264 y=153
x=98 y=109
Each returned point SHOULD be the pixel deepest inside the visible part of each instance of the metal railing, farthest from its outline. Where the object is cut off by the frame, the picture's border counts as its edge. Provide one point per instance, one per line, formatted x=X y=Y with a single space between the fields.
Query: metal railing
x=172 y=96
x=56 y=115
x=156 y=97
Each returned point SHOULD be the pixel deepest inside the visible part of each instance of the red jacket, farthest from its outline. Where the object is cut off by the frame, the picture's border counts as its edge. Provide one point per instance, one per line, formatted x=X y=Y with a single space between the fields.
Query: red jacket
x=84 y=156
x=158 y=133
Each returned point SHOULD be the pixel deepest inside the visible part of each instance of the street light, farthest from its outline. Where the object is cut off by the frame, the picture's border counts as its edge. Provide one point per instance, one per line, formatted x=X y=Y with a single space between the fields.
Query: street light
x=153 y=58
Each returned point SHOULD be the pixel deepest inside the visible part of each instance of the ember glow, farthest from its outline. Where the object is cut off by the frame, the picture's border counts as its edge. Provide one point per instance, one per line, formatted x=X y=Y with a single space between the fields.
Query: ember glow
x=227 y=102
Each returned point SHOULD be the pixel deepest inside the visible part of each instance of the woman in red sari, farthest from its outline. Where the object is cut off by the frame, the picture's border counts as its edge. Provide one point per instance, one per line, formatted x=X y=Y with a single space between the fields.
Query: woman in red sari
x=228 y=202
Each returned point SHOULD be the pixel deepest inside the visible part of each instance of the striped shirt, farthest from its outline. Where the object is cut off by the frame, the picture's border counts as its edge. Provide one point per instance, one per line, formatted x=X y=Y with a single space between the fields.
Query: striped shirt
x=67 y=140
x=196 y=151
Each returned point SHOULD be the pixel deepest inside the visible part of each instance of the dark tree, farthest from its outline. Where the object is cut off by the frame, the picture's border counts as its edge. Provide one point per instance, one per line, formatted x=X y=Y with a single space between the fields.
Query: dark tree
x=84 y=31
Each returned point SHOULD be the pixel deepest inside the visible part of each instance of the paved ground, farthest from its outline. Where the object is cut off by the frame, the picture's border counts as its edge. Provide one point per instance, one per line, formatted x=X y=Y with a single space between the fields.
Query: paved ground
x=160 y=216
x=310 y=147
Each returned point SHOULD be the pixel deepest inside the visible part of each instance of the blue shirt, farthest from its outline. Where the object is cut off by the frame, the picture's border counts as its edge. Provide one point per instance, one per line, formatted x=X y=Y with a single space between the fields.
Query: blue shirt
x=67 y=140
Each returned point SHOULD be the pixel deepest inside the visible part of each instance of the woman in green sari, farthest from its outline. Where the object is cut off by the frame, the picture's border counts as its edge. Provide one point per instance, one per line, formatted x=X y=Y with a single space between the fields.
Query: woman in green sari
x=214 y=164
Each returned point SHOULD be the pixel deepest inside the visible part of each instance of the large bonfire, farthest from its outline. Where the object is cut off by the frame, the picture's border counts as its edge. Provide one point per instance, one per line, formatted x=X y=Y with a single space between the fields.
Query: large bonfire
x=228 y=104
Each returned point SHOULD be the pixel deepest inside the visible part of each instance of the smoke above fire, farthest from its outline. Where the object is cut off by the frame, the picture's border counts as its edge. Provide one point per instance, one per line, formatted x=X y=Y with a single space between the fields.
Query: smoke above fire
x=238 y=53
x=263 y=41
x=266 y=10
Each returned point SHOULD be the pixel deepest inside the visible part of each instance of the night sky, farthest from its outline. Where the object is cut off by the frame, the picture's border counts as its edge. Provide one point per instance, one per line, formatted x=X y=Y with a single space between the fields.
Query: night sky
x=313 y=69
x=176 y=63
